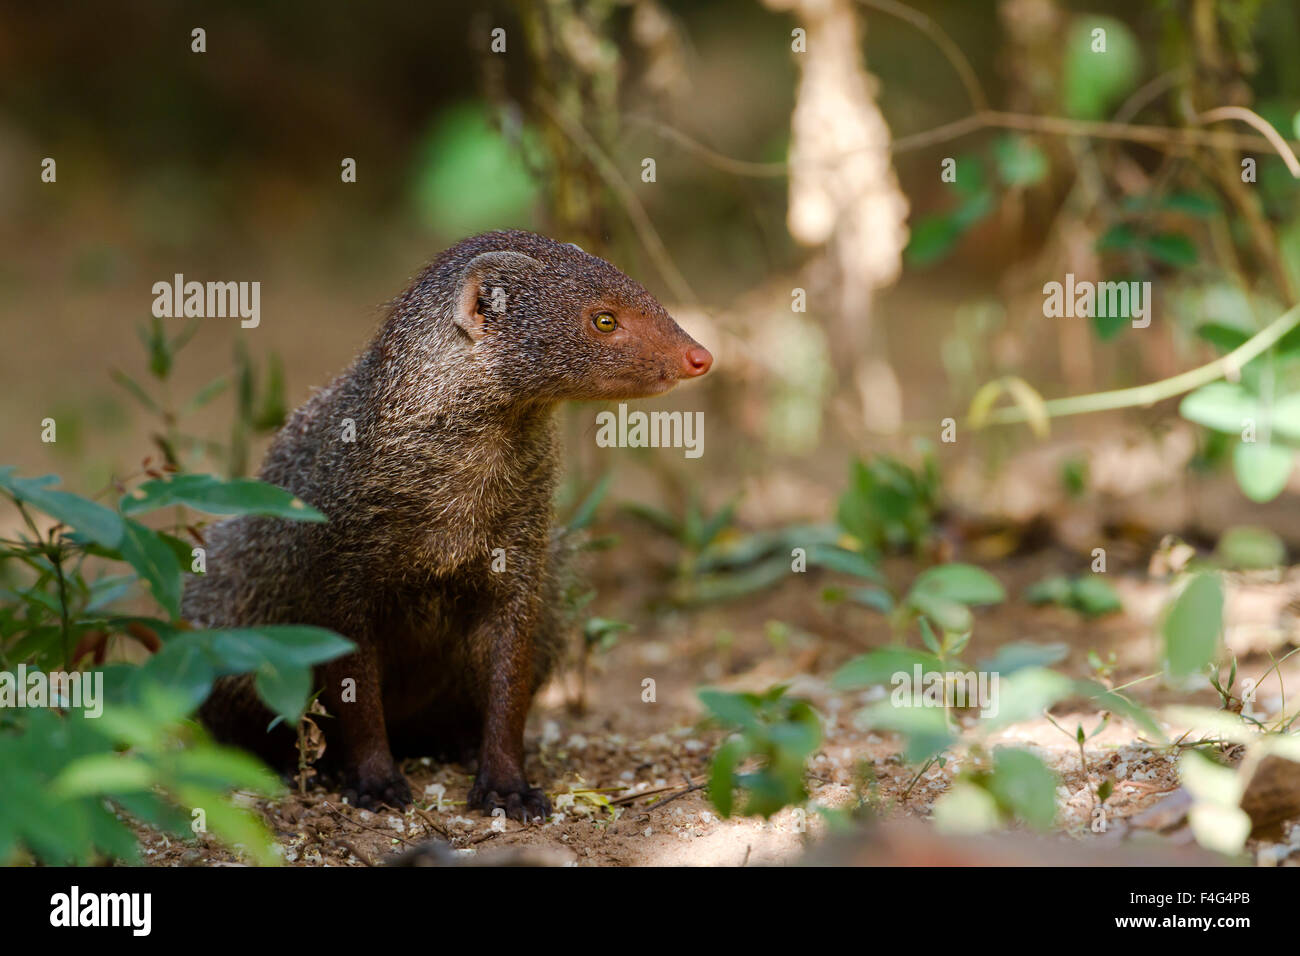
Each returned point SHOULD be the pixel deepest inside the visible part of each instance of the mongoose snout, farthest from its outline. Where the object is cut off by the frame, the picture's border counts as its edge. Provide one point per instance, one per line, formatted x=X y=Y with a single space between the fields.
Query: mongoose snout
x=698 y=360
x=434 y=458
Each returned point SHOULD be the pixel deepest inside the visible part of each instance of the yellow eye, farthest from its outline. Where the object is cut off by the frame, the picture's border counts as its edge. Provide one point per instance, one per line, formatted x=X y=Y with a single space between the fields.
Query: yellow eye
x=604 y=322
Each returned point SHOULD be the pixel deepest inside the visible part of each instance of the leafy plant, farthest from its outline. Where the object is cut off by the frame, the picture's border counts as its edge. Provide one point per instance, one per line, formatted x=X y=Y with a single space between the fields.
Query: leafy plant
x=146 y=761
x=776 y=732
x=717 y=563
x=55 y=607
x=889 y=505
x=258 y=409
x=1089 y=594
x=1018 y=786
x=1192 y=624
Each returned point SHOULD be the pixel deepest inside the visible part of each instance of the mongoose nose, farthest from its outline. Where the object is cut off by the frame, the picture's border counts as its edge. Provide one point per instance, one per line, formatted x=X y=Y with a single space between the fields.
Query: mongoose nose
x=697 y=360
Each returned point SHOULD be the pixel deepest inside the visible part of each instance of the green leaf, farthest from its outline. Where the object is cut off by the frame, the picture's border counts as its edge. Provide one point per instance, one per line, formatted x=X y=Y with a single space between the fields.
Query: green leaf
x=206 y=394
x=1286 y=417
x=932 y=239
x=1262 y=470
x=183 y=666
x=658 y=519
x=586 y=511
x=951 y=616
x=878 y=599
x=880 y=666
x=244 y=496
x=1192 y=625
x=1189 y=204
x=846 y=562
x=99 y=524
x=969 y=176
x=224 y=767
x=1118 y=238
x=1019 y=655
x=155 y=562
x=155 y=342
x=966 y=808
x=963 y=583
x=1025 y=786
x=285 y=688
x=134 y=387
x=1021 y=162
x=1025 y=694
x=103 y=773
x=298 y=644
x=232 y=825
x=1225 y=338
x=1224 y=406
x=1052 y=590
x=469 y=176
x=1248 y=548
x=1092 y=81
x=1171 y=248
x=1094 y=596
x=732 y=710
x=1216 y=818
x=926 y=728
x=1108 y=326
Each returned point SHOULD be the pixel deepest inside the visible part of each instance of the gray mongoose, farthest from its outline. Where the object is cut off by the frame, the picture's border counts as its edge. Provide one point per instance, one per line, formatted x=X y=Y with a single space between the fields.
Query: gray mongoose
x=455 y=456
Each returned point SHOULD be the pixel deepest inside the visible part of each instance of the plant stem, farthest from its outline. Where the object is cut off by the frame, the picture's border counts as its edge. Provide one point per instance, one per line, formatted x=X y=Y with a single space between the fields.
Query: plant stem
x=1149 y=394
x=55 y=553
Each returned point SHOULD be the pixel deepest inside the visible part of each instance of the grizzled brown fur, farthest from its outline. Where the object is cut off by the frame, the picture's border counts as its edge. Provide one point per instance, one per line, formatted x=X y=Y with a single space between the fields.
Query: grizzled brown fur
x=455 y=455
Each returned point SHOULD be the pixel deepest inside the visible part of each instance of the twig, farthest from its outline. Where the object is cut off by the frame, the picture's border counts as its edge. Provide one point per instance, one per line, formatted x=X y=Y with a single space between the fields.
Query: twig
x=636 y=212
x=669 y=799
x=388 y=833
x=356 y=851
x=944 y=42
x=433 y=824
x=1253 y=119
x=633 y=797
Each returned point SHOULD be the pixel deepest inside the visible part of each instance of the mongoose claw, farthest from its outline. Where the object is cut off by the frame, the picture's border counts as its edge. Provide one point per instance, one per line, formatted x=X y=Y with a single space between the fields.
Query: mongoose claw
x=370 y=794
x=525 y=804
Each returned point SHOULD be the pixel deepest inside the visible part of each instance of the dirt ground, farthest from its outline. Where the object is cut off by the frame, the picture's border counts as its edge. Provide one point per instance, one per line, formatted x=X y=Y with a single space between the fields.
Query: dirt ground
x=625 y=776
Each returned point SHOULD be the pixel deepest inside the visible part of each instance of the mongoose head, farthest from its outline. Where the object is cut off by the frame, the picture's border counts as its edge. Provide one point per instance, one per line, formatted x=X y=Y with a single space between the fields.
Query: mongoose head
x=552 y=322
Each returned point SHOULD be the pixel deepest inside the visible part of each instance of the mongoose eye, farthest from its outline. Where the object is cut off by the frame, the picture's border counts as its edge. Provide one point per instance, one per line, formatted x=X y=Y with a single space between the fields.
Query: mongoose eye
x=604 y=322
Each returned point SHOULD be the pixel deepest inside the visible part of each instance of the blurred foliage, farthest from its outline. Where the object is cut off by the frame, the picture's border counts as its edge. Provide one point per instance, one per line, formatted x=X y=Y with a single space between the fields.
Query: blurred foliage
x=889 y=505
x=1089 y=594
x=470 y=177
x=777 y=732
x=66 y=596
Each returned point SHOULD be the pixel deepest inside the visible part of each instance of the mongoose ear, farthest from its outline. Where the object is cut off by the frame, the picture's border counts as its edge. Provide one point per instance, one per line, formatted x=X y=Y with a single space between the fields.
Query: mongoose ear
x=486 y=284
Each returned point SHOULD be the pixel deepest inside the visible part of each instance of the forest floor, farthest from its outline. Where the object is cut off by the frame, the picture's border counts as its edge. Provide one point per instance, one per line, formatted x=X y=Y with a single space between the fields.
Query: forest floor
x=625 y=775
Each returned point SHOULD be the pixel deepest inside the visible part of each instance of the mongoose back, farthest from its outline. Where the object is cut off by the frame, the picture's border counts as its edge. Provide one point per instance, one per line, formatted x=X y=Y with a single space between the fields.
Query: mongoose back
x=454 y=456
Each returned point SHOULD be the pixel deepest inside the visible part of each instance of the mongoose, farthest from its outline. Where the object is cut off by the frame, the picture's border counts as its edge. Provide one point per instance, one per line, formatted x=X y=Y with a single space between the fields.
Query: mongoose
x=454 y=457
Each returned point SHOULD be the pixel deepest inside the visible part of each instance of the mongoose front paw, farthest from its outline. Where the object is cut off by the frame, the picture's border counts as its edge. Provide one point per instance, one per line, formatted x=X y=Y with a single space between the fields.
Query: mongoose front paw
x=521 y=802
x=371 y=791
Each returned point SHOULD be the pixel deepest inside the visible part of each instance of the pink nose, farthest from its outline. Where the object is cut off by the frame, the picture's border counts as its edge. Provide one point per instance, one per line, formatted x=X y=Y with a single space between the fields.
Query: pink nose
x=697 y=360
